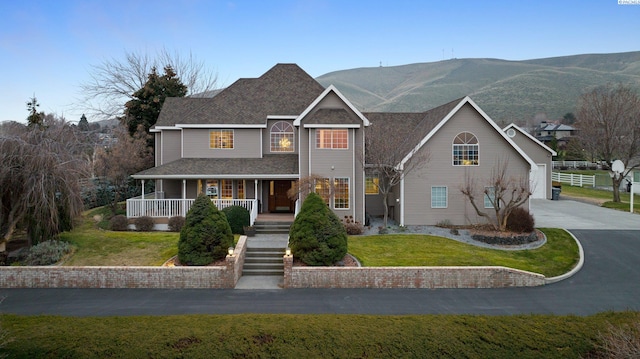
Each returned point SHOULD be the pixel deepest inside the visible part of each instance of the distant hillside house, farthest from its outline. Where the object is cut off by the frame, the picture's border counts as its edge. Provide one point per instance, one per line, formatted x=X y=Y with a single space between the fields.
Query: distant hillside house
x=545 y=132
x=253 y=141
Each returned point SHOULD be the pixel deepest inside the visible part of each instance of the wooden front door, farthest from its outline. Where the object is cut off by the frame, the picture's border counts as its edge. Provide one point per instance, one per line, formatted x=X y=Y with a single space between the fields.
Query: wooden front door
x=278 y=199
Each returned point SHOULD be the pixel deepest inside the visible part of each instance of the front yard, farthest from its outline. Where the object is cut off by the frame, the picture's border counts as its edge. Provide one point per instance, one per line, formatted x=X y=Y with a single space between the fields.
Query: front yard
x=99 y=247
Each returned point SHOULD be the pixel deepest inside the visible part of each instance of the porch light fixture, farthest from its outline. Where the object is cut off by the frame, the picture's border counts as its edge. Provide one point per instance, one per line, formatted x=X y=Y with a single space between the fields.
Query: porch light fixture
x=287 y=251
x=231 y=251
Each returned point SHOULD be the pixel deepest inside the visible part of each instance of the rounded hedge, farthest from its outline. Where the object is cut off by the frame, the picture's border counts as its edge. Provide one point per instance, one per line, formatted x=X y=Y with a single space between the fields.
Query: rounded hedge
x=238 y=217
x=317 y=236
x=205 y=236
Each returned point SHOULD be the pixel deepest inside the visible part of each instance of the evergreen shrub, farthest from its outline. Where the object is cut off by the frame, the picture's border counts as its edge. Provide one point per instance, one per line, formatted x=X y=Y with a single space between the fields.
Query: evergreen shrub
x=206 y=234
x=238 y=217
x=317 y=236
x=47 y=253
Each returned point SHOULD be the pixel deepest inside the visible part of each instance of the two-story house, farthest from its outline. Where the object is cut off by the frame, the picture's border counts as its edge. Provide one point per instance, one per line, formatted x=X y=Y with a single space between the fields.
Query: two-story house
x=249 y=144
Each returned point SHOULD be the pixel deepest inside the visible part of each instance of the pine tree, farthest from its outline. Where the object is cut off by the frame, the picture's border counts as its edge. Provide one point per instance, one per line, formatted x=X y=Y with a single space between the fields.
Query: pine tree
x=147 y=102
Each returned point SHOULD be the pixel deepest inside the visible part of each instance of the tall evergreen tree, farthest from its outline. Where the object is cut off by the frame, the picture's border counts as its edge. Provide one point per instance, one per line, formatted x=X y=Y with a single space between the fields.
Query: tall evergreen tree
x=35 y=118
x=146 y=104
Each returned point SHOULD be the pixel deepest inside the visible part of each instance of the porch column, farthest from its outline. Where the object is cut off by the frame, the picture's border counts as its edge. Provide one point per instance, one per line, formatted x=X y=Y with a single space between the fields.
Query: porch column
x=184 y=197
x=255 y=193
x=144 y=210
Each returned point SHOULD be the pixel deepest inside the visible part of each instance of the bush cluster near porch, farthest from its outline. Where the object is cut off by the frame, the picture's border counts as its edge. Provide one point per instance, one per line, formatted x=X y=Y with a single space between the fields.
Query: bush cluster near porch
x=558 y=256
x=310 y=336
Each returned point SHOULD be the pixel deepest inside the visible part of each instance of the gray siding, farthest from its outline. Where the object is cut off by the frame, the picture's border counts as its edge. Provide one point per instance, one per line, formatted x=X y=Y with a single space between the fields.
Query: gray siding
x=246 y=144
x=441 y=172
x=538 y=154
x=171 y=146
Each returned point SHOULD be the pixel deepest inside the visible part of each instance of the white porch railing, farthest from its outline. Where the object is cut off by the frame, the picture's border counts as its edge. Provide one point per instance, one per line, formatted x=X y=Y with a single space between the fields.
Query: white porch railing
x=137 y=207
x=574 y=179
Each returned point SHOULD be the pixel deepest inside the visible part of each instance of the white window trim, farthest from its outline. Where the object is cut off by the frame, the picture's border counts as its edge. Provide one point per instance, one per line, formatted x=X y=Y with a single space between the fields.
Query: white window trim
x=335 y=191
x=233 y=135
x=446 y=197
x=463 y=144
x=486 y=198
x=317 y=133
x=292 y=133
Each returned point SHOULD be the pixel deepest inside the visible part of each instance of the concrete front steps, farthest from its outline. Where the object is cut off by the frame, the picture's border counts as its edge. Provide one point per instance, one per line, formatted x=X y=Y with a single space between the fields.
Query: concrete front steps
x=263 y=261
x=272 y=227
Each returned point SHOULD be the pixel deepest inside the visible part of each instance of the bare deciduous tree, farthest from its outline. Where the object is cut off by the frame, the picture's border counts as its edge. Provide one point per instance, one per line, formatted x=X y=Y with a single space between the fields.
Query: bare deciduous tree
x=609 y=128
x=40 y=179
x=503 y=192
x=385 y=156
x=127 y=155
x=306 y=185
x=114 y=81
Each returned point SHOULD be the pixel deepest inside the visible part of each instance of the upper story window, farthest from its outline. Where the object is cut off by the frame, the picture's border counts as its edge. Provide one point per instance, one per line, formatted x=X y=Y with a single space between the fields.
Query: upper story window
x=465 y=149
x=221 y=139
x=332 y=138
x=282 y=136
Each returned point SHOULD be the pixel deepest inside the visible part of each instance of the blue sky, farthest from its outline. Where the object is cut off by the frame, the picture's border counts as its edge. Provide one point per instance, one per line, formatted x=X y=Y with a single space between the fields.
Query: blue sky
x=47 y=47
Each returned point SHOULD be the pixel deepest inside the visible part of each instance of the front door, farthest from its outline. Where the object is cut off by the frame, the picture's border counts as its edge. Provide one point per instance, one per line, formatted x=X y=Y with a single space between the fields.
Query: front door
x=278 y=199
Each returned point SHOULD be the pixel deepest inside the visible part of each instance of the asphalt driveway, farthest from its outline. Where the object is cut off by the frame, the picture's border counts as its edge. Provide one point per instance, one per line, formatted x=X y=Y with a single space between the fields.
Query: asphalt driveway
x=578 y=215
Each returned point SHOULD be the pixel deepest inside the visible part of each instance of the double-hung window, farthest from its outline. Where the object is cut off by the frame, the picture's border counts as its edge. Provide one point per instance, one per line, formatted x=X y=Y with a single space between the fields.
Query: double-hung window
x=323 y=189
x=335 y=139
x=489 y=197
x=371 y=185
x=439 y=197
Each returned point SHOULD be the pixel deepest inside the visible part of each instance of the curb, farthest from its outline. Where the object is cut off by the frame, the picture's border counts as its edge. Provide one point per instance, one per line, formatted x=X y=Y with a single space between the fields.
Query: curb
x=575 y=269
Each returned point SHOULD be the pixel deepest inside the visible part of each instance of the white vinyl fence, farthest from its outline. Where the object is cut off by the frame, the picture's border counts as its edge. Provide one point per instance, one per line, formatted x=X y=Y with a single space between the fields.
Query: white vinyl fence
x=574 y=179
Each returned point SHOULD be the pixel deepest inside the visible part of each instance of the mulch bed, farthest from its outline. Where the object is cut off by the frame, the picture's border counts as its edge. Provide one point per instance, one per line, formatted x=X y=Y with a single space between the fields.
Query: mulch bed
x=491 y=236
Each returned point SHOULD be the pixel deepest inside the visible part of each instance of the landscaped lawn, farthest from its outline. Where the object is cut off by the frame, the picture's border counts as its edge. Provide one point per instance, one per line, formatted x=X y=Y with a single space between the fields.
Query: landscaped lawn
x=312 y=336
x=557 y=256
x=98 y=247
x=604 y=198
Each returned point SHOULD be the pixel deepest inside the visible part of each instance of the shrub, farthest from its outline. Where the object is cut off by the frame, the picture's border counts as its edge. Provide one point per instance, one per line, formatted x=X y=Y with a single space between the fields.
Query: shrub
x=47 y=253
x=238 y=217
x=520 y=221
x=621 y=342
x=176 y=223
x=119 y=223
x=353 y=228
x=144 y=224
x=206 y=234
x=317 y=236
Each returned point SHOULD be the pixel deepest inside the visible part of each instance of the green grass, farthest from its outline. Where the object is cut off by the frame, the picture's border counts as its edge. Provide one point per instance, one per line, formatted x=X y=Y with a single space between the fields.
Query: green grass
x=557 y=256
x=309 y=336
x=601 y=196
x=96 y=246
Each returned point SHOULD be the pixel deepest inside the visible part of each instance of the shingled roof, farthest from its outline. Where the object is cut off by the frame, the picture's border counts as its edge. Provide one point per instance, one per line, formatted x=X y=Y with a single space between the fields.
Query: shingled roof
x=285 y=89
x=412 y=127
x=267 y=166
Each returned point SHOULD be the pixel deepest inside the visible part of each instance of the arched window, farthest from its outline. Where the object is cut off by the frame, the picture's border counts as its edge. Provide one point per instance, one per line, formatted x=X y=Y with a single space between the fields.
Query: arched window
x=282 y=136
x=465 y=149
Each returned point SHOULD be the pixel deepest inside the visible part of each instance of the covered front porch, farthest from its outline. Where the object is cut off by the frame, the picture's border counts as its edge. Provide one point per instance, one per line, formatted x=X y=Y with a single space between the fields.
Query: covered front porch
x=167 y=208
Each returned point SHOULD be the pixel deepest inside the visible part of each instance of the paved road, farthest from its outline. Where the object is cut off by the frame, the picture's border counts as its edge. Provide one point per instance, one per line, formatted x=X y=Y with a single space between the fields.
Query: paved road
x=609 y=280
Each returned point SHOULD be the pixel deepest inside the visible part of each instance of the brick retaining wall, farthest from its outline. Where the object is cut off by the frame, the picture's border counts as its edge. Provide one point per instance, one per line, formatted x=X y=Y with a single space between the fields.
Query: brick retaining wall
x=225 y=276
x=407 y=277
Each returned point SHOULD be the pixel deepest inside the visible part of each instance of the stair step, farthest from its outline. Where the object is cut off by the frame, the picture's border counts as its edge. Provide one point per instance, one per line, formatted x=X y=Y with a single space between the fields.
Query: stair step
x=249 y=272
x=252 y=259
x=267 y=266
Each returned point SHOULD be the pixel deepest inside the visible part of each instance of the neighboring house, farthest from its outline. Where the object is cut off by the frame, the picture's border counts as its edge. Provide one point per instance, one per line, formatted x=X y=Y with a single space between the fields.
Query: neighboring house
x=541 y=154
x=250 y=143
x=548 y=132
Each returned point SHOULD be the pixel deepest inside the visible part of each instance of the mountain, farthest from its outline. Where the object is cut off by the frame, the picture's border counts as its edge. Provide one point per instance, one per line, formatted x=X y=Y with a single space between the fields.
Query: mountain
x=508 y=91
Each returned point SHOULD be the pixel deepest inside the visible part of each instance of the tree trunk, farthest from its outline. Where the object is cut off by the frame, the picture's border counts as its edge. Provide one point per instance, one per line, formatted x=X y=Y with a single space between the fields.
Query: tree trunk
x=616 y=187
x=385 y=197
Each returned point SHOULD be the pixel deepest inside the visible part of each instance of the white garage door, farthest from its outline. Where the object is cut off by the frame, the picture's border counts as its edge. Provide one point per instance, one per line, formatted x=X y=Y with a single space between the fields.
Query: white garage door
x=539 y=181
